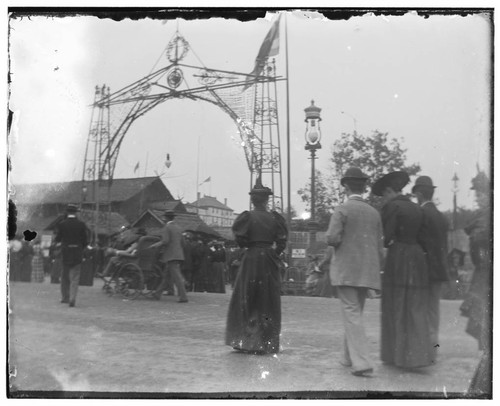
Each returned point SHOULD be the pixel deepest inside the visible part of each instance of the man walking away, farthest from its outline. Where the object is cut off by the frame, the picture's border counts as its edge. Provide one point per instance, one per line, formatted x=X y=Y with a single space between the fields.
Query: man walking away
x=434 y=241
x=71 y=233
x=172 y=257
x=355 y=231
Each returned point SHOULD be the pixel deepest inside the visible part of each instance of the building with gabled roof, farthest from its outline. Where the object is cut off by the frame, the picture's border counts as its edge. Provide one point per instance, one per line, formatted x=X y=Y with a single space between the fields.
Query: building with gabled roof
x=128 y=197
x=152 y=221
x=213 y=212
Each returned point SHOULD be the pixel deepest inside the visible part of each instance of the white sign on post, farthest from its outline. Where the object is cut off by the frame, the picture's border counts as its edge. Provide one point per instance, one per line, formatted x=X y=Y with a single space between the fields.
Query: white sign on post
x=298 y=252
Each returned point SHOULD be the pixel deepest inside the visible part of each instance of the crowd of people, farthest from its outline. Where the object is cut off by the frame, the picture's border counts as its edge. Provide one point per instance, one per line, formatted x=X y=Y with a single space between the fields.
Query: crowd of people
x=399 y=252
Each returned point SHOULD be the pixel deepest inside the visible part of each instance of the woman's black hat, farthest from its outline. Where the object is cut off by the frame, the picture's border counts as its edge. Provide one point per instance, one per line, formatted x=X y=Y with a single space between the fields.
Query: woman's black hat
x=259 y=189
x=397 y=178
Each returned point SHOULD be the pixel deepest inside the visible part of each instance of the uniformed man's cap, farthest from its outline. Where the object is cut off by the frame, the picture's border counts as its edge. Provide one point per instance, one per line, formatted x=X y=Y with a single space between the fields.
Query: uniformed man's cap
x=72 y=208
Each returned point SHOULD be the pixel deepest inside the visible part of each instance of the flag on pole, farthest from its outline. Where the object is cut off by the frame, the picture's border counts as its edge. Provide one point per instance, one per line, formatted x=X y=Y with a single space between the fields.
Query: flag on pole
x=136 y=168
x=206 y=180
x=270 y=47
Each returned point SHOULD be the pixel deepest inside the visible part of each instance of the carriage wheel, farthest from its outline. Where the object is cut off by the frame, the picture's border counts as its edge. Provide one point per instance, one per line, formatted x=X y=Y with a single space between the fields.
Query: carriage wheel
x=130 y=281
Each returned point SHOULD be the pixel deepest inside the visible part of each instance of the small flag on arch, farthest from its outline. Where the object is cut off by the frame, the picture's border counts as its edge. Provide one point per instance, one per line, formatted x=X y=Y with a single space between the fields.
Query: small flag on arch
x=206 y=180
x=136 y=168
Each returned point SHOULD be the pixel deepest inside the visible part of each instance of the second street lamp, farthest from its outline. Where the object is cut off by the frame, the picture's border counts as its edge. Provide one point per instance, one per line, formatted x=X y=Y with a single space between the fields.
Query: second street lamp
x=313 y=138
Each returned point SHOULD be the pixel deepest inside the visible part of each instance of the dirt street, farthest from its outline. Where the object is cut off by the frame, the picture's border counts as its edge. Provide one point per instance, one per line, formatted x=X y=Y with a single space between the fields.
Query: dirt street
x=107 y=346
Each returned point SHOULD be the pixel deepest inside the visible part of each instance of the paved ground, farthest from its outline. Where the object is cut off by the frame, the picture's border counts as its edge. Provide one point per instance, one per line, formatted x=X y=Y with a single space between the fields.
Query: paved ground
x=167 y=349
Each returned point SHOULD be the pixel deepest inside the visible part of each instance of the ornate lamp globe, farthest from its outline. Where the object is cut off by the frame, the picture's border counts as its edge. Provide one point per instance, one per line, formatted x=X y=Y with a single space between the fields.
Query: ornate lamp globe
x=313 y=131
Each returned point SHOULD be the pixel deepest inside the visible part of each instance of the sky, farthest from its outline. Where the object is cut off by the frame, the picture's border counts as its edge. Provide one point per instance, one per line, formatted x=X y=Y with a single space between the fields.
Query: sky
x=425 y=81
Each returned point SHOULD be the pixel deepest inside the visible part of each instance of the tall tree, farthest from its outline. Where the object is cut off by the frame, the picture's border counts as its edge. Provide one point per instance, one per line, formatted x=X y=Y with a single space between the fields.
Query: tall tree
x=376 y=155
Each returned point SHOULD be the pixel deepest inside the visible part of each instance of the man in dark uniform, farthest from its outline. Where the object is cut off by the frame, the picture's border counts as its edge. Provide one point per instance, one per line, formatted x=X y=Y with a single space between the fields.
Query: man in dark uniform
x=434 y=241
x=71 y=233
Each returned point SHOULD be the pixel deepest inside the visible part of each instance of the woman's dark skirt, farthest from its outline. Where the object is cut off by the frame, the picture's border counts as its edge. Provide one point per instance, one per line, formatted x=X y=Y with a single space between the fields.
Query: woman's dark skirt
x=254 y=316
x=405 y=289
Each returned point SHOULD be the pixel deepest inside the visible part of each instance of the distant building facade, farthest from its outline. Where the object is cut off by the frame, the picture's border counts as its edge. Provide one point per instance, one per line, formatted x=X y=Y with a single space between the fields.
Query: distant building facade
x=212 y=212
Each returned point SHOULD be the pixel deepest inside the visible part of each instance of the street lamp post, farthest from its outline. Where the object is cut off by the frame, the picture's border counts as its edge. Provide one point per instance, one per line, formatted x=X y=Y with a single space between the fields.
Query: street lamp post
x=313 y=138
x=455 y=190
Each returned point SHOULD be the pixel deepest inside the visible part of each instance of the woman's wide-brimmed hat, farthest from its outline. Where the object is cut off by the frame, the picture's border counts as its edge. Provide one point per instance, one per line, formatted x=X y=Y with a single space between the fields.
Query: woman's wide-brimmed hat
x=397 y=178
x=353 y=173
x=423 y=181
x=259 y=189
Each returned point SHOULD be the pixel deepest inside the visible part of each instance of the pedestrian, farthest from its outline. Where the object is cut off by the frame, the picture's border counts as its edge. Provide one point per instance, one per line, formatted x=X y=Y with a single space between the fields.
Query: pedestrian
x=171 y=258
x=405 y=281
x=218 y=262
x=254 y=315
x=477 y=306
x=71 y=233
x=355 y=231
x=434 y=240
x=122 y=256
x=37 y=271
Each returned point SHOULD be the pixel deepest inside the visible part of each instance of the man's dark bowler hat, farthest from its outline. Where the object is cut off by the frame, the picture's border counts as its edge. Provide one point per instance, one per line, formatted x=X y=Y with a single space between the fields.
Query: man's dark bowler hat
x=353 y=173
x=424 y=181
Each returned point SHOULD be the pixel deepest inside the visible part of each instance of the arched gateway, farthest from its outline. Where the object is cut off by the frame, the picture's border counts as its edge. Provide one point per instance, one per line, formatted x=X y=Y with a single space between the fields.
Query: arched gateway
x=249 y=99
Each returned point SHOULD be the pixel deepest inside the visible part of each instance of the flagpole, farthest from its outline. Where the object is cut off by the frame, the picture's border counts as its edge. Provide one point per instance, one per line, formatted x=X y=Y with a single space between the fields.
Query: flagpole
x=288 y=166
x=146 y=166
x=198 y=175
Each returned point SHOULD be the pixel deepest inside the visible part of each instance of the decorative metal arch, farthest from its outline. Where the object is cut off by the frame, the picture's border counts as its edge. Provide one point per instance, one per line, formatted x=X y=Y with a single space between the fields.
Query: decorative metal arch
x=250 y=101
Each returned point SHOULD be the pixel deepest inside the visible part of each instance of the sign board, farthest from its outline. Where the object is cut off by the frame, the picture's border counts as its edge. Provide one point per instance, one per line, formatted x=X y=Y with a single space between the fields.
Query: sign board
x=298 y=253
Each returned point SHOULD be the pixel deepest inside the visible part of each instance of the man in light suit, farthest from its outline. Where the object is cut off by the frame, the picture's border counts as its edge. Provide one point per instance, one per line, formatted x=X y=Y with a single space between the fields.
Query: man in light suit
x=172 y=257
x=434 y=241
x=355 y=231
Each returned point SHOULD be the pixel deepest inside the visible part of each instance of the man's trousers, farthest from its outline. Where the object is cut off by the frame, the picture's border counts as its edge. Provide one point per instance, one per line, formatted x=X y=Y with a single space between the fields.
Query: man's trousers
x=356 y=351
x=70 y=279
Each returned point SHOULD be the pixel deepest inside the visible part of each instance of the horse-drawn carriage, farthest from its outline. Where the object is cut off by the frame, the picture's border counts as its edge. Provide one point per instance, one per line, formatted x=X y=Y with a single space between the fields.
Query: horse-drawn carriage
x=137 y=274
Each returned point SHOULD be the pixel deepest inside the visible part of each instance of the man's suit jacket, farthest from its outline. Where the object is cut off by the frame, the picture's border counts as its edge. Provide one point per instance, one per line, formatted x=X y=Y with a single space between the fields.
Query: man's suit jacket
x=171 y=239
x=434 y=240
x=355 y=231
x=72 y=234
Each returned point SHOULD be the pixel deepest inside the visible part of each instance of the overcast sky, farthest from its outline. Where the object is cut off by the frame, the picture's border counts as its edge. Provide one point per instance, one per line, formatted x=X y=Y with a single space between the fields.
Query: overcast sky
x=425 y=81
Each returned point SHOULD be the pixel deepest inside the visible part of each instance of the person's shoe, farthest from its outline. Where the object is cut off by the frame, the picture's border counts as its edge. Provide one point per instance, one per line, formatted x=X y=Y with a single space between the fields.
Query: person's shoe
x=71 y=304
x=182 y=301
x=64 y=301
x=363 y=372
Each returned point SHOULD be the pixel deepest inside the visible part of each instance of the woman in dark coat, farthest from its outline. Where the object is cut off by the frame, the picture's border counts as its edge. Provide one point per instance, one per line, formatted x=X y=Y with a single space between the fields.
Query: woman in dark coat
x=254 y=316
x=405 y=281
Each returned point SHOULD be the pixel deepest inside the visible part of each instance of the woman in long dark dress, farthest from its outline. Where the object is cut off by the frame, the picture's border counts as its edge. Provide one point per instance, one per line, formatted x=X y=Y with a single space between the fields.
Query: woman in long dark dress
x=405 y=281
x=254 y=316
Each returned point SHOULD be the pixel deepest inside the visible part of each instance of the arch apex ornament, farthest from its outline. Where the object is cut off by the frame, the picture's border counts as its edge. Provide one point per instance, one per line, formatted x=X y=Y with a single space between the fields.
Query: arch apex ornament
x=174 y=78
x=177 y=48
